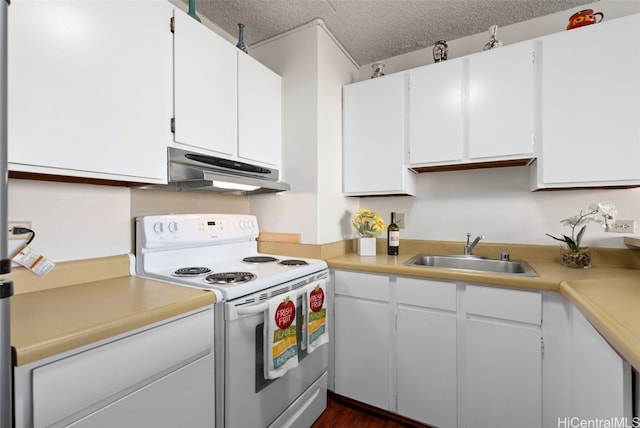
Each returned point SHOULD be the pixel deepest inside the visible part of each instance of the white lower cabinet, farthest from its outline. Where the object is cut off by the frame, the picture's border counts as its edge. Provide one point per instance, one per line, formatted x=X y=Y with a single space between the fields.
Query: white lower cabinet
x=161 y=377
x=362 y=337
x=189 y=405
x=426 y=351
x=466 y=355
x=601 y=385
x=502 y=358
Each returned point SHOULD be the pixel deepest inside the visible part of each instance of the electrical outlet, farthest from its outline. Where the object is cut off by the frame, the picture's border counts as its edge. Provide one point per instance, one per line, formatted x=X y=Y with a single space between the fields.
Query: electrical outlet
x=12 y=224
x=400 y=218
x=623 y=226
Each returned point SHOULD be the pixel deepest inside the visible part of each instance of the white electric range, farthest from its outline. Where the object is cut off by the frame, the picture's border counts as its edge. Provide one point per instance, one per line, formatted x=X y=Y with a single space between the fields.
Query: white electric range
x=219 y=252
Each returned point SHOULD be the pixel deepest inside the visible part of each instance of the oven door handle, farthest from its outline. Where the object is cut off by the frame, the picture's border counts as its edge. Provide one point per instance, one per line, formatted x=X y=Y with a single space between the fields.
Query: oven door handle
x=262 y=307
x=253 y=309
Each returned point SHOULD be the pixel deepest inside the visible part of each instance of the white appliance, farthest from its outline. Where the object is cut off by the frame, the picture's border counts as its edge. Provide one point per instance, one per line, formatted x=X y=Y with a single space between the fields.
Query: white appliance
x=218 y=252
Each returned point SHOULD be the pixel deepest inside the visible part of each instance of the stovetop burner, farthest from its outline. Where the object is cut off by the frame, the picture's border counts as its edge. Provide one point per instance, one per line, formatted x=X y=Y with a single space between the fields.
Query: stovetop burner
x=230 y=277
x=191 y=271
x=259 y=259
x=293 y=262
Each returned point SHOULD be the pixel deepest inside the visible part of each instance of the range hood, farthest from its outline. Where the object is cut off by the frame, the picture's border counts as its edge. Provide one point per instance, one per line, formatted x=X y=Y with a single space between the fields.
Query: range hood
x=191 y=171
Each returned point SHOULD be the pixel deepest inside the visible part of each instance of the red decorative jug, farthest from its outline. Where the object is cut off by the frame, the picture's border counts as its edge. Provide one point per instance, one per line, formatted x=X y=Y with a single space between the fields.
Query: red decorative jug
x=584 y=17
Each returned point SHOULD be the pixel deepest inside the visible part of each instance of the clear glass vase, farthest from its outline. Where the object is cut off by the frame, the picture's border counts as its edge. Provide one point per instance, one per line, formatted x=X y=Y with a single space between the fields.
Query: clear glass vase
x=575 y=259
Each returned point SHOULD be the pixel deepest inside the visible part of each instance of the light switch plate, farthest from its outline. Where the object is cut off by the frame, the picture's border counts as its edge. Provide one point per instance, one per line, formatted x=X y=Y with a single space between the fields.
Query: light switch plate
x=400 y=218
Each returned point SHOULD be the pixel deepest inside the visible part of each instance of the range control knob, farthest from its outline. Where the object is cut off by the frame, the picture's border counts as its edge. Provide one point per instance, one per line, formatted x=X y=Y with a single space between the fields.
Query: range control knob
x=243 y=224
x=251 y=225
x=173 y=227
x=158 y=227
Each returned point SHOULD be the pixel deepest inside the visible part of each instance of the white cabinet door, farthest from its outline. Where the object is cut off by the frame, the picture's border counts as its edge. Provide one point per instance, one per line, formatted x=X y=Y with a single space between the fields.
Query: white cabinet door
x=427 y=371
x=375 y=150
x=362 y=331
x=205 y=86
x=501 y=103
x=474 y=109
x=436 y=131
x=427 y=351
x=143 y=369
x=362 y=351
x=501 y=376
x=259 y=112
x=183 y=398
x=90 y=89
x=591 y=105
x=600 y=379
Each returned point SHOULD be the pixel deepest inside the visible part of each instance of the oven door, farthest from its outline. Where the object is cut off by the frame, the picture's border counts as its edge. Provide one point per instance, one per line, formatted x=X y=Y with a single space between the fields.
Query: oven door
x=250 y=399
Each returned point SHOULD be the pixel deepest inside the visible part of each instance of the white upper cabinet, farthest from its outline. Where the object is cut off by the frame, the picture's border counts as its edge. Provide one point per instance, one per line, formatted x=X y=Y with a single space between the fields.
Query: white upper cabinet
x=259 y=112
x=90 y=89
x=590 y=105
x=226 y=103
x=205 y=86
x=501 y=88
x=375 y=148
x=435 y=113
x=473 y=110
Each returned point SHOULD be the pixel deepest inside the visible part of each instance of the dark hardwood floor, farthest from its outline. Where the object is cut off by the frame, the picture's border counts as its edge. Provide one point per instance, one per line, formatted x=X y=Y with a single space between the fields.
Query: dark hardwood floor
x=344 y=413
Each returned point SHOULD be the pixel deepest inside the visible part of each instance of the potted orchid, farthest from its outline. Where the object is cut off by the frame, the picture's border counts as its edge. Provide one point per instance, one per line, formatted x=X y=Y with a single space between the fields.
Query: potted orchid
x=368 y=225
x=573 y=254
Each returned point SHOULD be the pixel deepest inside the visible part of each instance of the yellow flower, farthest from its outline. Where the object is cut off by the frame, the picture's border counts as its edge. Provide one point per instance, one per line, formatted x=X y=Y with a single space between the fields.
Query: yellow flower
x=368 y=223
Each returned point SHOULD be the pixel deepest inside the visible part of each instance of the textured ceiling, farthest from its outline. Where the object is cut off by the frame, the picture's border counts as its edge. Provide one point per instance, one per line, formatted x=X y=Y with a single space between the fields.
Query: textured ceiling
x=372 y=30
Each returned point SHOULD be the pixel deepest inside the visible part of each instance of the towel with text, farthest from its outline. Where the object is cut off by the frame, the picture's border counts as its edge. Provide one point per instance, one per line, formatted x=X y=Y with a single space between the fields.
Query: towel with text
x=281 y=342
x=316 y=315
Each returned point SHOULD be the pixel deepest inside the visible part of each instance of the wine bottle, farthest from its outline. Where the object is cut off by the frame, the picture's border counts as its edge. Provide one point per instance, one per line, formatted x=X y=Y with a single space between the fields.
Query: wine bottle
x=393 y=237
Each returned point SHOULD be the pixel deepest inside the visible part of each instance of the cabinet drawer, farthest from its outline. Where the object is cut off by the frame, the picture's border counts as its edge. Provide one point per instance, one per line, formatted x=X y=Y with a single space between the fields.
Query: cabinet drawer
x=362 y=285
x=427 y=293
x=94 y=377
x=513 y=305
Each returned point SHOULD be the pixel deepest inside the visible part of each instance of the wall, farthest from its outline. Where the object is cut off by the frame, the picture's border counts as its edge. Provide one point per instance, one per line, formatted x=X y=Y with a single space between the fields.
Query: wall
x=79 y=221
x=72 y=221
x=82 y=221
x=313 y=69
x=508 y=34
x=497 y=203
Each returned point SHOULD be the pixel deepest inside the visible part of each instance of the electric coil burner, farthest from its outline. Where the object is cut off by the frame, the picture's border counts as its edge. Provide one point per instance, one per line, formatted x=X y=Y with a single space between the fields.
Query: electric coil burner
x=294 y=262
x=259 y=259
x=230 y=277
x=188 y=272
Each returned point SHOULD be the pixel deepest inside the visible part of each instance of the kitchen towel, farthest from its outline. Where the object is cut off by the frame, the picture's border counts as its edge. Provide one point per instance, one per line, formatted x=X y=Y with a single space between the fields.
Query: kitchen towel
x=280 y=339
x=316 y=315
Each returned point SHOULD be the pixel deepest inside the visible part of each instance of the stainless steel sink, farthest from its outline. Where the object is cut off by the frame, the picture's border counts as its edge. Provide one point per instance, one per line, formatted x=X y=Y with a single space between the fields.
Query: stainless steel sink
x=473 y=263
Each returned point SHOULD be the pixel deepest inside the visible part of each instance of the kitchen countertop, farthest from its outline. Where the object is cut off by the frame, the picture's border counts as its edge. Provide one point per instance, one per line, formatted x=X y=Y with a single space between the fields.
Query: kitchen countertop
x=608 y=296
x=65 y=317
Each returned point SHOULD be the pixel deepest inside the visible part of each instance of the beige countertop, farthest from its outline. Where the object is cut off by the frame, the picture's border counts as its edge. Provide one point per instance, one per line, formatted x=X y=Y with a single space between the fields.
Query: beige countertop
x=608 y=295
x=49 y=321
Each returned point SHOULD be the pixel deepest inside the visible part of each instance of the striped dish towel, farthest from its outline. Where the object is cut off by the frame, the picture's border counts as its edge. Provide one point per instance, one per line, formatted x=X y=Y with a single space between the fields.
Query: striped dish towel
x=316 y=315
x=280 y=340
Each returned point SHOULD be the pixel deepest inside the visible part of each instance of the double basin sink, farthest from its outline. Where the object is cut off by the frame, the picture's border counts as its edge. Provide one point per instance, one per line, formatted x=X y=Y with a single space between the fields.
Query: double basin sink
x=473 y=263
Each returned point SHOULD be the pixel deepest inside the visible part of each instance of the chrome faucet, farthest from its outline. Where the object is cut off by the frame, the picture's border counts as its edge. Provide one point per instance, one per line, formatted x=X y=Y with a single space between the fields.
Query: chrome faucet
x=468 y=248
